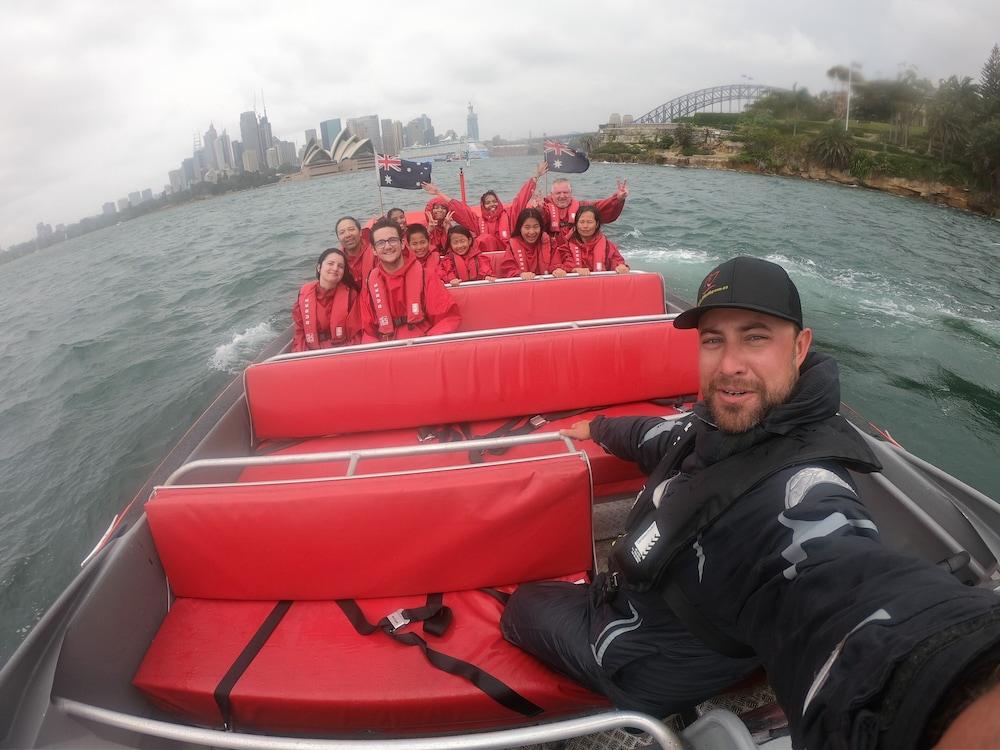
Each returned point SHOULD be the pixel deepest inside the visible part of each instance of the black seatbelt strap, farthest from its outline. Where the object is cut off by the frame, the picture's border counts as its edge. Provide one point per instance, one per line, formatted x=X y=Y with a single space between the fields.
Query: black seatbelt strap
x=247 y=655
x=390 y=625
x=501 y=596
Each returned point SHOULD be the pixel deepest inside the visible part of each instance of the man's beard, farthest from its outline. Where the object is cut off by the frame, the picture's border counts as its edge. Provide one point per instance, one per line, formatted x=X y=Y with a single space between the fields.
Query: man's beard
x=739 y=418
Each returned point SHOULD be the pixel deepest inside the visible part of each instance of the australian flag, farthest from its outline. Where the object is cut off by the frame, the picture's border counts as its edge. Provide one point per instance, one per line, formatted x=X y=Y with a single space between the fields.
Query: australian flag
x=394 y=172
x=562 y=158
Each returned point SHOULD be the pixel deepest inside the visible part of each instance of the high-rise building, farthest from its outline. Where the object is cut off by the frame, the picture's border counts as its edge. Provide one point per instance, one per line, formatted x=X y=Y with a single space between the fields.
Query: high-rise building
x=286 y=152
x=250 y=136
x=271 y=155
x=226 y=146
x=627 y=120
x=187 y=167
x=176 y=180
x=237 y=156
x=147 y=195
x=123 y=205
x=251 y=161
x=108 y=209
x=200 y=164
x=472 y=124
x=211 y=138
x=366 y=127
x=266 y=138
x=392 y=136
x=419 y=131
x=615 y=120
x=328 y=130
x=311 y=135
x=134 y=198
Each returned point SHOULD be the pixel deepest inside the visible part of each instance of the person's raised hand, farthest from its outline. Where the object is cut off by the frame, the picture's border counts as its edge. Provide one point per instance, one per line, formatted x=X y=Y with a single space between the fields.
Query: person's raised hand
x=622 y=189
x=431 y=188
x=541 y=169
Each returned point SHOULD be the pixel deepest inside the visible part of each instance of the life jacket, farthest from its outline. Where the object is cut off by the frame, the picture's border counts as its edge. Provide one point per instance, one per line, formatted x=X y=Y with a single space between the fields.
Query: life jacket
x=362 y=263
x=655 y=536
x=543 y=254
x=502 y=223
x=466 y=266
x=555 y=223
x=338 y=316
x=413 y=285
x=600 y=256
x=436 y=233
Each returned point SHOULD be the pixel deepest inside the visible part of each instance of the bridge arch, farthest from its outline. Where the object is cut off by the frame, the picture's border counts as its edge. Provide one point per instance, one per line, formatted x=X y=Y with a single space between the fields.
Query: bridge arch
x=696 y=101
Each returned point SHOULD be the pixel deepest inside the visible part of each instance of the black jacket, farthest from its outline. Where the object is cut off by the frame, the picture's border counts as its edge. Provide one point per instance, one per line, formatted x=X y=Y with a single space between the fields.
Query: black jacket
x=793 y=565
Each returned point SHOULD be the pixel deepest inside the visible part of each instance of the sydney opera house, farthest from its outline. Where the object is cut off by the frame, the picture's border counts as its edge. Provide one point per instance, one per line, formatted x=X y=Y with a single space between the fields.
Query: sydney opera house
x=347 y=153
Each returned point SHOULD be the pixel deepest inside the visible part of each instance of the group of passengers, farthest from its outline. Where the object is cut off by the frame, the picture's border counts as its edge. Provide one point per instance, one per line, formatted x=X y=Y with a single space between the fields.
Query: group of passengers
x=389 y=282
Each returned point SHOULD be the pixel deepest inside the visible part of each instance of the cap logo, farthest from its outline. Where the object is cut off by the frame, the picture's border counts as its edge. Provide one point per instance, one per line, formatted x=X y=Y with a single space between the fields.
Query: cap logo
x=709 y=281
x=709 y=292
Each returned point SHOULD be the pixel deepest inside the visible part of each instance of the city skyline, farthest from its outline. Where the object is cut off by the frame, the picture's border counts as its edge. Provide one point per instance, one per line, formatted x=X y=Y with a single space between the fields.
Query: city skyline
x=116 y=91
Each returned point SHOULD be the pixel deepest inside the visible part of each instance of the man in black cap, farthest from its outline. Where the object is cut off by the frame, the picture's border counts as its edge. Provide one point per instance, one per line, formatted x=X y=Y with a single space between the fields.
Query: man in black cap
x=749 y=547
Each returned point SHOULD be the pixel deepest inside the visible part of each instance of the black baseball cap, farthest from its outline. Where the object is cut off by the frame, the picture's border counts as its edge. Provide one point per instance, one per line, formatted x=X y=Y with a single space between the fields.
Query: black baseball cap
x=747 y=283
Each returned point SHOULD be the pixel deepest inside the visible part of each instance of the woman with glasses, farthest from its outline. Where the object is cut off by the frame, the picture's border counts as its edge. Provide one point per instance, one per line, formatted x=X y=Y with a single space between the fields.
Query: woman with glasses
x=401 y=301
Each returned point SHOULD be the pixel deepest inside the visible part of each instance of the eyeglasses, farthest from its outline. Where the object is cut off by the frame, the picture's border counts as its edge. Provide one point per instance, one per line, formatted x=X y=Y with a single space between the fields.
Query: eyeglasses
x=391 y=242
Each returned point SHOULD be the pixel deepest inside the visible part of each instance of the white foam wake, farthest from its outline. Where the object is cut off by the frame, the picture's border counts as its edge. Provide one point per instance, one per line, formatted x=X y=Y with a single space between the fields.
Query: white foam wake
x=234 y=355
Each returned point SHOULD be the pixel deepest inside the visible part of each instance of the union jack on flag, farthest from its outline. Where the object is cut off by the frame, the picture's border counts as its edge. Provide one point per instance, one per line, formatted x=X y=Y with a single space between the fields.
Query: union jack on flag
x=389 y=162
x=562 y=158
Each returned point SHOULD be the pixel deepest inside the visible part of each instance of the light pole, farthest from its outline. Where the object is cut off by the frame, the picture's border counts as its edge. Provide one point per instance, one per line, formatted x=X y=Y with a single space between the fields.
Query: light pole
x=850 y=71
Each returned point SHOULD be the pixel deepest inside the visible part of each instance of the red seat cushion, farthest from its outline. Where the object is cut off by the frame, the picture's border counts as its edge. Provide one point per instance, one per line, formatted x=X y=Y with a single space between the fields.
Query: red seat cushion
x=611 y=475
x=453 y=529
x=315 y=673
x=367 y=390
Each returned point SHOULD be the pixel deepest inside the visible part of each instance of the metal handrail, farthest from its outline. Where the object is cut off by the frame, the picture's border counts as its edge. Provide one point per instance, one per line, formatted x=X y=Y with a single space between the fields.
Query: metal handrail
x=354 y=456
x=492 y=740
x=461 y=335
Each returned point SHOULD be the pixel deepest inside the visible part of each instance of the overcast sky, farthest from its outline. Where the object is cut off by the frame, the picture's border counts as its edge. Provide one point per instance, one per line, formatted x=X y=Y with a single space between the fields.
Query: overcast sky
x=102 y=98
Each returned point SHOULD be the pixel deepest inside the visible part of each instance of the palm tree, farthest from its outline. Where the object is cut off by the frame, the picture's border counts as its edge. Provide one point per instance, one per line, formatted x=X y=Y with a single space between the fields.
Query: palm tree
x=832 y=148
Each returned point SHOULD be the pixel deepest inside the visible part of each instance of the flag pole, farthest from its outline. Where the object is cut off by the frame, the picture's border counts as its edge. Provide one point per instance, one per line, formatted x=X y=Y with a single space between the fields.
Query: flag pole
x=378 y=181
x=461 y=182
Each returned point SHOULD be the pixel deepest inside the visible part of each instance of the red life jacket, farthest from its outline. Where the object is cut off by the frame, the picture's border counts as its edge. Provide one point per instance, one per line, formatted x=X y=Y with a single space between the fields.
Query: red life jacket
x=542 y=261
x=600 y=257
x=555 y=223
x=413 y=285
x=466 y=266
x=362 y=263
x=501 y=221
x=340 y=306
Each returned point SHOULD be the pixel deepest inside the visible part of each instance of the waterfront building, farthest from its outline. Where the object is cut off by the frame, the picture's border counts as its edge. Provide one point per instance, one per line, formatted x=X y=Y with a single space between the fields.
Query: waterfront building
x=627 y=119
x=266 y=139
x=366 y=127
x=209 y=141
x=250 y=135
x=187 y=167
x=286 y=152
x=311 y=135
x=392 y=136
x=108 y=209
x=134 y=198
x=237 y=156
x=225 y=145
x=419 y=132
x=147 y=195
x=472 y=125
x=271 y=158
x=615 y=120
x=123 y=205
x=176 y=180
x=328 y=131
x=251 y=161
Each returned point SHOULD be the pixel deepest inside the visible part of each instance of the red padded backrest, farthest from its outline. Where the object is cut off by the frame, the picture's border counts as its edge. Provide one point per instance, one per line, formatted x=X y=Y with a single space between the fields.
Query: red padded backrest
x=451 y=529
x=552 y=300
x=472 y=380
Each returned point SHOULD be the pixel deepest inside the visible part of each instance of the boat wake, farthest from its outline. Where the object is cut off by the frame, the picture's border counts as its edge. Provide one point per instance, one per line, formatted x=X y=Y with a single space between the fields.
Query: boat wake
x=236 y=354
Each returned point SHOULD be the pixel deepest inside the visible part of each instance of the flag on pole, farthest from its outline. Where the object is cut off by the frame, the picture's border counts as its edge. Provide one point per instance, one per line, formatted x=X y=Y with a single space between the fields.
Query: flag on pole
x=562 y=158
x=394 y=172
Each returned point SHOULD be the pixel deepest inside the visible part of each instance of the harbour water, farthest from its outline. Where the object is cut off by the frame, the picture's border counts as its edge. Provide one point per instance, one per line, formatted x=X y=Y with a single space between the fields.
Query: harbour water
x=111 y=344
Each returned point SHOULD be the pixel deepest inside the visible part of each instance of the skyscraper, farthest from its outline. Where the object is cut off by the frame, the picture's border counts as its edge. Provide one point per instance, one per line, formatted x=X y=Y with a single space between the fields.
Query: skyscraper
x=211 y=159
x=311 y=135
x=108 y=209
x=226 y=145
x=419 y=131
x=392 y=136
x=266 y=139
x=237 y=156
x=472 y=124
x=250 y=136
x=328 y=130
x=176 y=180
x=366 y=127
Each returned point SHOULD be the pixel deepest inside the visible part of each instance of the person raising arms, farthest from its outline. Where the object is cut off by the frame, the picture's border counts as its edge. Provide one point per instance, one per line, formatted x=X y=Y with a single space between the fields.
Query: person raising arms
x=439 y=221
x=464 y=261
x=587 y=247
x=532 y=252
x=492 y=228
x=326 y=313
x=401 y=301
x=560 y=207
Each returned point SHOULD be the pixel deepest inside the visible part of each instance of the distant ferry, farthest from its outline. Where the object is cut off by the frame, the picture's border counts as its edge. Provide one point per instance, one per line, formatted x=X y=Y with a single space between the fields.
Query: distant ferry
x=455 y=150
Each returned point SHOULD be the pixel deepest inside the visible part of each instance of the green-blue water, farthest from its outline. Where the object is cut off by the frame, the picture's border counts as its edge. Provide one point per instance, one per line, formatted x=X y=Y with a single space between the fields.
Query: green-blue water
x=113 y=343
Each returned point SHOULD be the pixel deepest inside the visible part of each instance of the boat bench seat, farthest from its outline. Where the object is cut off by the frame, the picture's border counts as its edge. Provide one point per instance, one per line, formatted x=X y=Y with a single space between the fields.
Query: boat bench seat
x=506 y=304
x=261 y=634
x=612 y=476
x=352 y=391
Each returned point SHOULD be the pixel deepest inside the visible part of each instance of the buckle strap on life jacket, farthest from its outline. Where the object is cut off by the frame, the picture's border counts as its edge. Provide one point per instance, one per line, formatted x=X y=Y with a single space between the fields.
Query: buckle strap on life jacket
x=247 y=655
x=390 y=625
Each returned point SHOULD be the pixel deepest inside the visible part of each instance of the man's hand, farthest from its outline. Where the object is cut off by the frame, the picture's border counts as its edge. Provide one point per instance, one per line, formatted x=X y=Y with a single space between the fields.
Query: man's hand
x=621 y=268
x=431 y=188
x=579 y=431
x=559 y=273
x=622 y=193
x=541 y=169
x=455 y=282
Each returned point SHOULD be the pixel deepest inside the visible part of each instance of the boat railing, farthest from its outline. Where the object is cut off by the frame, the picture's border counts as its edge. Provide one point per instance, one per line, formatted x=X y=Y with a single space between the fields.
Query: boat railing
x=538 y=734
x=354 y=457
x=461 y=335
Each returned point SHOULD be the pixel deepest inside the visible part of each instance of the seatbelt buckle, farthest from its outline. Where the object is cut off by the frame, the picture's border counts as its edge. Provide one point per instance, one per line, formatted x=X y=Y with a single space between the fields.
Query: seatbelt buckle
x=424 y=434
x=538 y=421
x=397 y=620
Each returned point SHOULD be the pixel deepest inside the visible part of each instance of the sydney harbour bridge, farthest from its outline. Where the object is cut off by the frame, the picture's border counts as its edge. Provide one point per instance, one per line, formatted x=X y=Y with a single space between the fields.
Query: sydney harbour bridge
x=735 y=95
